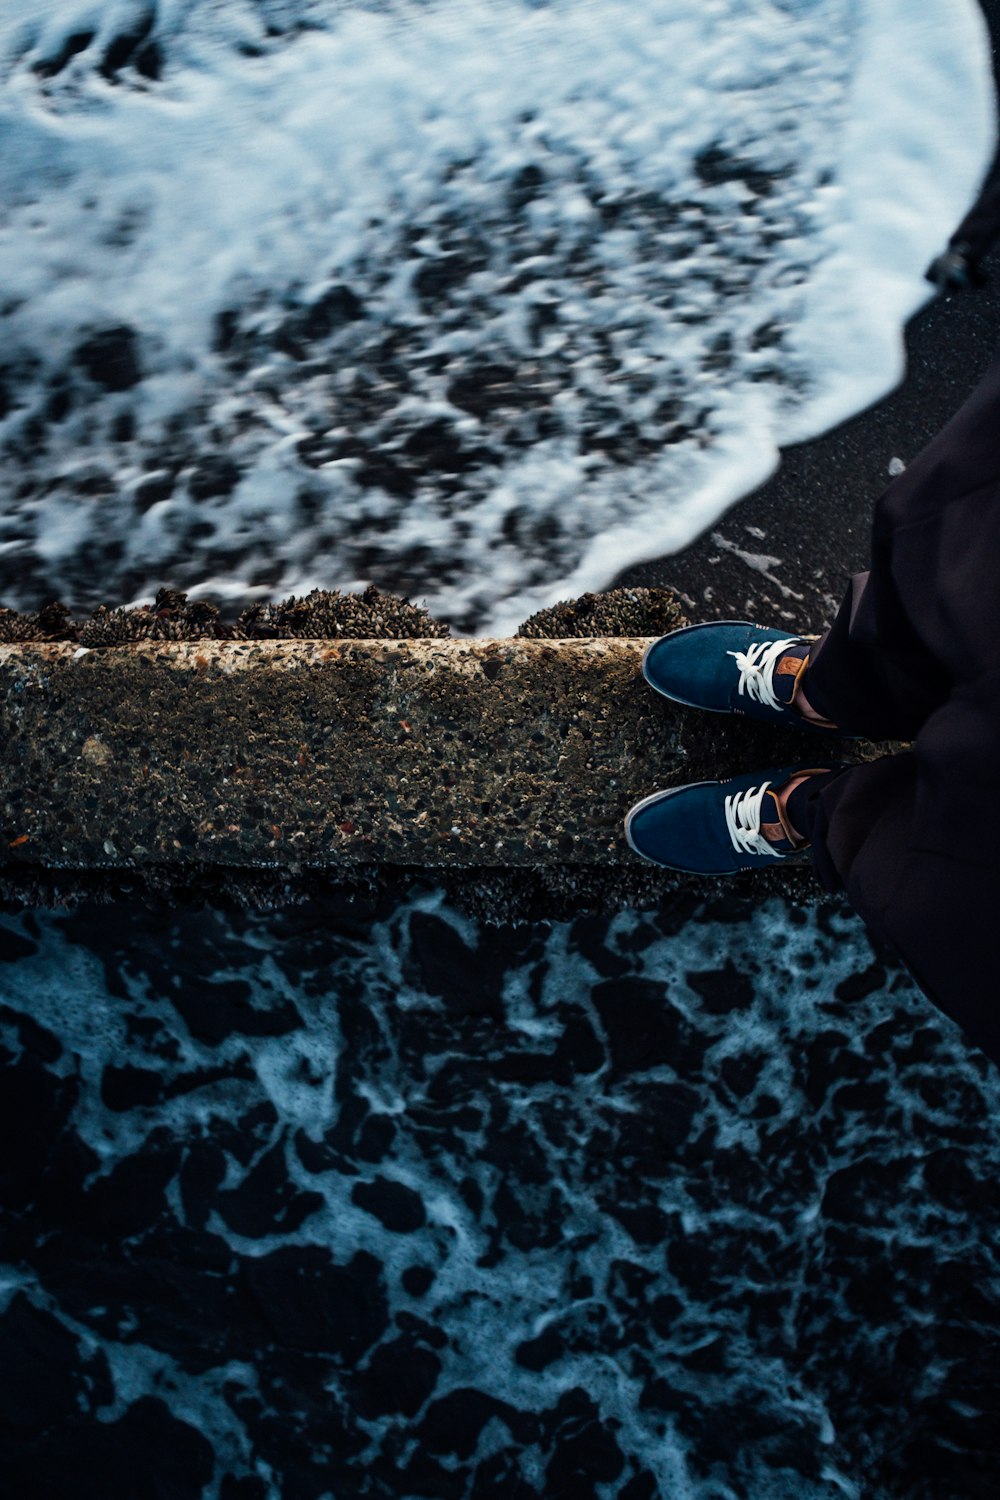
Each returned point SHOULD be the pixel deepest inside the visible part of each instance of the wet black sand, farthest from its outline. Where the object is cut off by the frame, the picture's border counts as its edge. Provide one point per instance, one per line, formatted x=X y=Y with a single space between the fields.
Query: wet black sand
x=815 y=512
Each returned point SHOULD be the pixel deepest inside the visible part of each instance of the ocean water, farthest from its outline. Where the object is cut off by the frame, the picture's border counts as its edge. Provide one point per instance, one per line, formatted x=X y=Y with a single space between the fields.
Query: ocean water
x=383 y=1203
x=479 y=303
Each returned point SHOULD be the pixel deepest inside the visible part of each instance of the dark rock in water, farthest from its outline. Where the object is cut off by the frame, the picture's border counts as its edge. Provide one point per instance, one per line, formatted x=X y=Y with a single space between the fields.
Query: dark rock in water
x=149 y=62
x=443 y=963
x=578 y=1051
x=538 y=1353
x=722 y=990
x=337 y=306
x=647 y=1224
x=436 y=279
x=435 y=447
x=526 y=185
x=699 y=1262
x=248 y=1487
x=740 y=1073
x=60 y=402
x=129 y=1087
x=31 y=1093
x=122 y=429
x=225 y=329
x=214 y=475
x=214 y=1009
x=201 y=1175
x=299 y=1431
x=452 y=1424
x=399 y=1377
x=586 y=1451
x=857 y=986
x=823 y=1065
x=394 y=1204
x=715 y=165
x=14 y=946
x=423 y=1476
x=855 y=1194
x=642 y=1027
x=183 y=1286
x=380 y=471
x=74 y=43
x=642 y=1487
x=303 y=328
x=428 y=1333
x=417 y=1280
x=480 y=388
x=951 y=1182
x=501 y=1477
x=45 y=1378
x=267 y=1201
x=131 y=1198
x=375 y=1138
x=147 y=1451
x=588 y=1458
x=311 y=1303
x=110 y=357
x=128 y=41
x=156 y=486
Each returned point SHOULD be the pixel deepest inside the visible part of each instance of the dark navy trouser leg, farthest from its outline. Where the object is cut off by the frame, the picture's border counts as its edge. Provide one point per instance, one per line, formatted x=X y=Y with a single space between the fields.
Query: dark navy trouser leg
x=914 y=654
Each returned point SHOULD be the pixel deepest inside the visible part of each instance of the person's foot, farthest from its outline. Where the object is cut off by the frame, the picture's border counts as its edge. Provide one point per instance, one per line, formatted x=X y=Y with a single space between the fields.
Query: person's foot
x=734 y=667
x=719 y=827
x=783 y=828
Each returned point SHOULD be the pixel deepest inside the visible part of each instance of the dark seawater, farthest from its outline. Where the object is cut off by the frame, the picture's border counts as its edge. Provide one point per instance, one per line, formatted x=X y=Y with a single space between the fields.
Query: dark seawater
x=387 y=1203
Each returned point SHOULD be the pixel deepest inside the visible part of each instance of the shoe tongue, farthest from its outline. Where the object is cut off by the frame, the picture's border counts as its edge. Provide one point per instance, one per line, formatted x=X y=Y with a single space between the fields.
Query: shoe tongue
x=771 y=826
x=787 y=671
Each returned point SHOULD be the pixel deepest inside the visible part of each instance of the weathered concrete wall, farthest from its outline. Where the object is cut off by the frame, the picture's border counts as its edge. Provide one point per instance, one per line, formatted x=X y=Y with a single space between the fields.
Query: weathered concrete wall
x=325 y=752
x=336 y=756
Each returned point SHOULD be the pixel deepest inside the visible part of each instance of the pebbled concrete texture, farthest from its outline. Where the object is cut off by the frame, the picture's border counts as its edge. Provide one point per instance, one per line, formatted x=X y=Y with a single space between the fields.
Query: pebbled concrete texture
x=164 y=760
x=321 y=752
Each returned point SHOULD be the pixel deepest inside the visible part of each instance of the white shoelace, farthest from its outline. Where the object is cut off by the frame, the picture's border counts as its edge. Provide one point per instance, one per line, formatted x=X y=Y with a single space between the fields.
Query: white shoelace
x=757 y=664
x=743 y=813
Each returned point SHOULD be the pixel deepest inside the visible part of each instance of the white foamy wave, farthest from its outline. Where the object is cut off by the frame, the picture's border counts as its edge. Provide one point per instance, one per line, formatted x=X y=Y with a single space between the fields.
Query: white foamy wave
x=478 y=304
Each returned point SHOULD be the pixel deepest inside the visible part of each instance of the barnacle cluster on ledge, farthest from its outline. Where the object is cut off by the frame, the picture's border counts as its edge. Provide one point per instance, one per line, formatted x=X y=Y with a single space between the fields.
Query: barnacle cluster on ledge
x=371 y=894
x=328 y=614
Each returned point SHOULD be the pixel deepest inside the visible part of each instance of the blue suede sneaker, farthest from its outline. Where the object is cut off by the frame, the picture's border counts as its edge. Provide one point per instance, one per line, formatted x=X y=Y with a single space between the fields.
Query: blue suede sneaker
x=718 y=827
x=732 y=667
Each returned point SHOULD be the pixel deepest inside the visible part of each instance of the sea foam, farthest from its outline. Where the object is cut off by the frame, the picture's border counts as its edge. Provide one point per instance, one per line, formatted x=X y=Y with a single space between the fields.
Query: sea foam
x=480 y=304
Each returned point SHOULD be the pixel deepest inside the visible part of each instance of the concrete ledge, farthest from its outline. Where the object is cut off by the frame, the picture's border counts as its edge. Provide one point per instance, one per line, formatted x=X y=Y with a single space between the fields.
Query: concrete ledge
x=346 y=756
x=318 y=752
